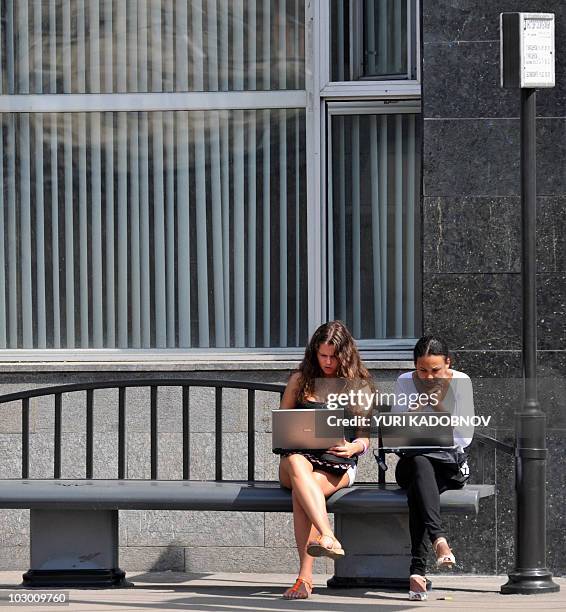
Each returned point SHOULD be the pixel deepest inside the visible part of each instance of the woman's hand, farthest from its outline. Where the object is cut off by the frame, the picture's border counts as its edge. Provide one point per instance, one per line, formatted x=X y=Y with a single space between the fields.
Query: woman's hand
x=436 y=390
x=438 y=395
x=346 y=450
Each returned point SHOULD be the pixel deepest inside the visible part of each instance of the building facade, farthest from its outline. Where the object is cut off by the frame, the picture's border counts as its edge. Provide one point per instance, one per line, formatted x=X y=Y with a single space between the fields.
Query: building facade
x=195 y=186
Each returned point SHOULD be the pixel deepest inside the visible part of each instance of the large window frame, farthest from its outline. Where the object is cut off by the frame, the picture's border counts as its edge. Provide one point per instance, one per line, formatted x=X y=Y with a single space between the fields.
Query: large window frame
x=319 y=90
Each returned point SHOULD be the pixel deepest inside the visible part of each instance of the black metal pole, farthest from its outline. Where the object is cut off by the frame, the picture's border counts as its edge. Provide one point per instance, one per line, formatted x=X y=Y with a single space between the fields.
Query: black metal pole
x=530 y=574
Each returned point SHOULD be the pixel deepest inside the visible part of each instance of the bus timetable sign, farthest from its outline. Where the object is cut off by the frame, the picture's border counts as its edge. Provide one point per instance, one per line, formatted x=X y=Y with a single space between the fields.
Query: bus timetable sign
x=527 y=50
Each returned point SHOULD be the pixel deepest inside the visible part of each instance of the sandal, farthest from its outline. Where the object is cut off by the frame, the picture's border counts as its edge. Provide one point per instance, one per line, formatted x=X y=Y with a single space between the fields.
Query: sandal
x=317 y=549
x=417 y=586
x=443 y=560
x=297 y=586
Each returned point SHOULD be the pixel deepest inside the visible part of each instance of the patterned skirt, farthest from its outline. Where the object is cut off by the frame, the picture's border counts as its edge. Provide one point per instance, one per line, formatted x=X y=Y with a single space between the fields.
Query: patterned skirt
x=319 y=463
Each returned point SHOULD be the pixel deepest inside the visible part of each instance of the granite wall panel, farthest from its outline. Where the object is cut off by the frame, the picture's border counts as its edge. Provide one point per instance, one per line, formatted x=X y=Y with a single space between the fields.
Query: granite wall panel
x=466 y=234
x=471 y=157
x=453 y=24
x=471 y=234
x=551 y=156
x=470 y=81
x=460 y=20
x=473 y=311
x=551 y=233
x=551 y=304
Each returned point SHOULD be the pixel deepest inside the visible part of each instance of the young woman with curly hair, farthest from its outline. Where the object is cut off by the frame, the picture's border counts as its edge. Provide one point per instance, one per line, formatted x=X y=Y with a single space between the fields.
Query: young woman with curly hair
x=331 y=364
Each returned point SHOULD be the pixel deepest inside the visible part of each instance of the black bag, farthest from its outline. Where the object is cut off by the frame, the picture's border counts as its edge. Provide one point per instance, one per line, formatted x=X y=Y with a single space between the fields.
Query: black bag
x=453 y=457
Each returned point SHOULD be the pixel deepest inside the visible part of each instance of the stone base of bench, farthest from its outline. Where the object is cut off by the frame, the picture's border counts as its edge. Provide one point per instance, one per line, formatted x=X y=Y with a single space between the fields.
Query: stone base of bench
x=378 y=551
x=74 y=548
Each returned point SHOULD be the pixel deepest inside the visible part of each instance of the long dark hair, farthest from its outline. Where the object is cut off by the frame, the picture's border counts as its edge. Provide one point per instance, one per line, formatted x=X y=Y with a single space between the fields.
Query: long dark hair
x=430 y=345
x=350 y=365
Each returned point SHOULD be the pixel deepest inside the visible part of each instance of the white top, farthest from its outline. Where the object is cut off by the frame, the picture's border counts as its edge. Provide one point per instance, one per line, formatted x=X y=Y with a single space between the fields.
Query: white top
x=461 y=386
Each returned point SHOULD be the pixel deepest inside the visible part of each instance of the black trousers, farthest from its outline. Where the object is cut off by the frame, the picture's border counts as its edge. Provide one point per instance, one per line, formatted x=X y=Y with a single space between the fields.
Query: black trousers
x=424 y=479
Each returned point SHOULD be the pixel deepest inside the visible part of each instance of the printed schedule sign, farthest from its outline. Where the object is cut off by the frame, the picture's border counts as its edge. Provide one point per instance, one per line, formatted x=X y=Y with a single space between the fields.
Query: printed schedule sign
x=527 y=50
x=538 y=50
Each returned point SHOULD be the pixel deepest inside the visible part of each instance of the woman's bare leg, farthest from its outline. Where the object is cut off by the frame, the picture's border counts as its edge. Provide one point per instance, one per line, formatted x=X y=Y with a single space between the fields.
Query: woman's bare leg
x=304 y=528
x=296 y=473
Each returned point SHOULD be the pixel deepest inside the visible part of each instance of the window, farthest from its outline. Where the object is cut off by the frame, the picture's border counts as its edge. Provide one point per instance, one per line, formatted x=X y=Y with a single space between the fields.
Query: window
x=117 y=46
x=370 y=106
x=373 y=39
x=372 y=211
x=211 y=174
x=171 y=227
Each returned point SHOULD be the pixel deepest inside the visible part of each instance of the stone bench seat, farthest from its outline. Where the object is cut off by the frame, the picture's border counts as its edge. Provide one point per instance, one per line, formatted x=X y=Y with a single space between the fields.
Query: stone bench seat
x=242 y=496
x=74 y=523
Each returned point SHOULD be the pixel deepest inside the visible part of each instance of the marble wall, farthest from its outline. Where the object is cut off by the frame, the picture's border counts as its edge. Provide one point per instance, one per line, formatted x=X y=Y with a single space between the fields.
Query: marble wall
x=471 y=242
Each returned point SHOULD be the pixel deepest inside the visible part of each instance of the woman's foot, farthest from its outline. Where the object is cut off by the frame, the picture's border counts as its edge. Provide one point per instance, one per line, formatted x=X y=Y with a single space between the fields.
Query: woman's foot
x=417 y=588
x=302 y=589
x=325 y=546
x=444 y=556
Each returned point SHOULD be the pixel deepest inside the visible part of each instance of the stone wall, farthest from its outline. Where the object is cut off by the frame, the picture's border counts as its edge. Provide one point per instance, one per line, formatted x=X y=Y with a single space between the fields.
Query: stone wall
x=471 y=242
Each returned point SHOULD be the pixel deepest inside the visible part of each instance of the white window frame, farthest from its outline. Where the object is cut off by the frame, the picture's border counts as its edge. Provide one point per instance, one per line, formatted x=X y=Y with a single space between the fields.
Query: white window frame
x=365 y=93
x=379 y=89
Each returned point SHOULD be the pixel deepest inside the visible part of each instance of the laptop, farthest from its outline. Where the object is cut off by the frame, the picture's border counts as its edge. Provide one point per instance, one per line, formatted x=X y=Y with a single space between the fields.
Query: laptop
x=404 y=435
x=306 y=428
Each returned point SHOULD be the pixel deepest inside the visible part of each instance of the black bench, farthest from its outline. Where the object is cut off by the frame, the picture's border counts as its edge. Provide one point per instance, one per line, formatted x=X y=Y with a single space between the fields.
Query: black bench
x=74 y=523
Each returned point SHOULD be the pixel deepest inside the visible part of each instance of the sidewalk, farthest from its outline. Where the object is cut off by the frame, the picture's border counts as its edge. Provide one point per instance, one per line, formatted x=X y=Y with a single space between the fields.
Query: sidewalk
x=246 y=592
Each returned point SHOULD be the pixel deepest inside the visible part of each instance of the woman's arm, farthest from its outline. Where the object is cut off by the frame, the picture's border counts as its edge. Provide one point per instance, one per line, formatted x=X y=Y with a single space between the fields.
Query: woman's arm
x=362 y=410
x=289 y=399
x=464 y=407
x=358 y=447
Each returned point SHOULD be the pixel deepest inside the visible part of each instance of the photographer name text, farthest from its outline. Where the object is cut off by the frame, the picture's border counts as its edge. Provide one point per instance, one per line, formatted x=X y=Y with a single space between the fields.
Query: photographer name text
x=409 y=420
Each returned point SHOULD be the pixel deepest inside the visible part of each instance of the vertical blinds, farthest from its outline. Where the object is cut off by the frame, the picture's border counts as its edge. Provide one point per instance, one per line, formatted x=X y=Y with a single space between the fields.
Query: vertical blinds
x=153 y=230
x=116 y=46
x=372 y=207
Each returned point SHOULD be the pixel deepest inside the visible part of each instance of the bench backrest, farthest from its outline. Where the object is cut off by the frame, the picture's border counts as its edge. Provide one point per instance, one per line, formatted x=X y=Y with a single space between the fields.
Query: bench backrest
x=153 y=384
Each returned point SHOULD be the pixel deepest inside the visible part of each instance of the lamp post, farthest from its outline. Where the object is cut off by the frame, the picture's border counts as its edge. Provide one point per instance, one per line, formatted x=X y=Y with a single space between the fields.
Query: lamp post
x=527 y=50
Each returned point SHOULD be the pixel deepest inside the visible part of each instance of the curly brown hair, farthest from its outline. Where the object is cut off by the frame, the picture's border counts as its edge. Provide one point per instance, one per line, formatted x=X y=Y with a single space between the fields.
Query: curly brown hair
x=350 y=366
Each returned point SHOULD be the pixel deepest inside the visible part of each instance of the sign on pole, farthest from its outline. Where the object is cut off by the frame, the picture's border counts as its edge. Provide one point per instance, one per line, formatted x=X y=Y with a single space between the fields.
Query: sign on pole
x=527 y=50
x=527 y=63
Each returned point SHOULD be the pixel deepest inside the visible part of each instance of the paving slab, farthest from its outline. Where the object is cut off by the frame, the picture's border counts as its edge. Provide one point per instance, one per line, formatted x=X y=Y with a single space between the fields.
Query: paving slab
x=246 y=592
